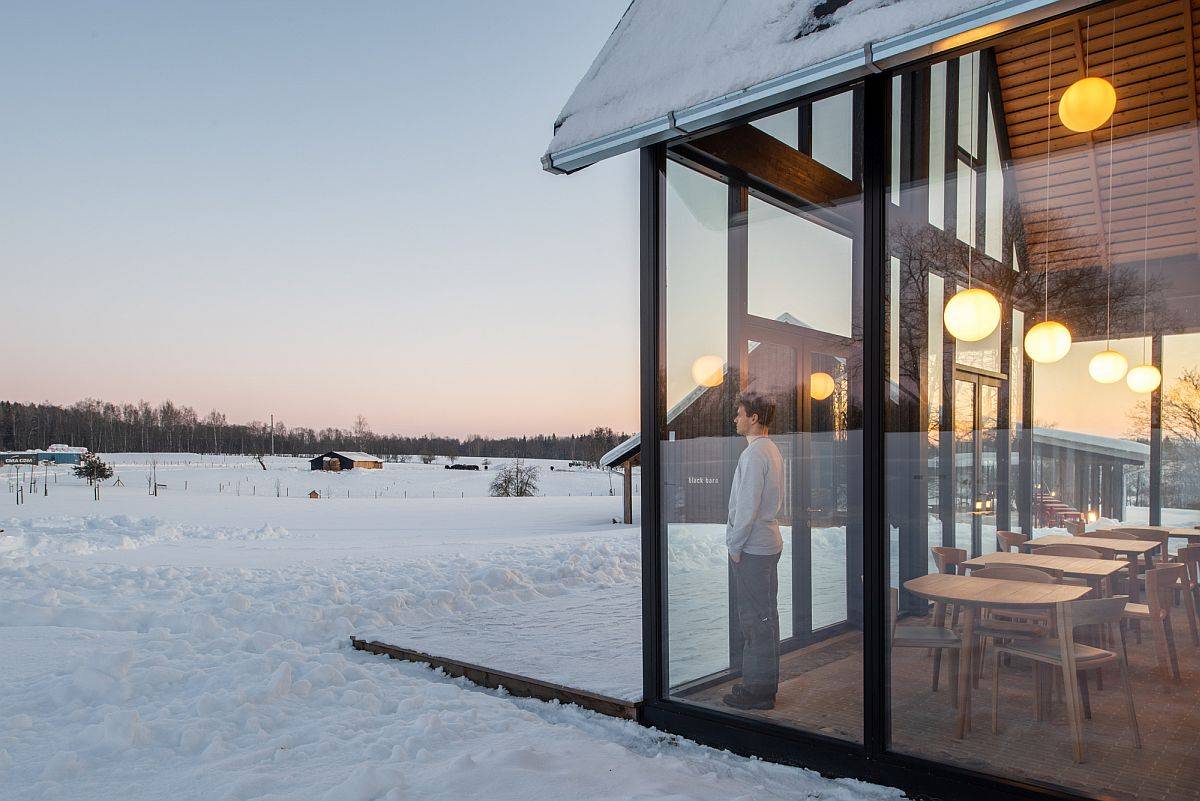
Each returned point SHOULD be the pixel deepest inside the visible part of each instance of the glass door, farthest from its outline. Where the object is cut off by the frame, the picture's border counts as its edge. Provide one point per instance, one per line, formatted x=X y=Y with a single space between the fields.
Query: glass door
x=976 y=462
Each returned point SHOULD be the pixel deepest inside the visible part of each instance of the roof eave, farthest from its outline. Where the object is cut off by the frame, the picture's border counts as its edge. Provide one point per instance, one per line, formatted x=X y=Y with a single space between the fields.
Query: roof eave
x=945 y=35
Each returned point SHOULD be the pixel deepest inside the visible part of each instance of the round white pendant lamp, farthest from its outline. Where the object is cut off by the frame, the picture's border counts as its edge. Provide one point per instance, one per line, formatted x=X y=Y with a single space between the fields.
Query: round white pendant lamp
x=820 y=386
x=1144 y=378
x=972 y=314
x=1048 y=342
x=1108 y=367
x=1087 y=104
x=708 y=371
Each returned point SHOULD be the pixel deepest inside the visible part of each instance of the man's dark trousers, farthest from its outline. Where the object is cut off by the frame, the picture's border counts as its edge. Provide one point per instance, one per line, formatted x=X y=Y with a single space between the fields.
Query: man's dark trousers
x=756 y=588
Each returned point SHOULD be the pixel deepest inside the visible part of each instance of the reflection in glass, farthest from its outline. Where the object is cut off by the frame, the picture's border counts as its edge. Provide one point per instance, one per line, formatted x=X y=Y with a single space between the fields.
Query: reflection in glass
x=770 y=286
x=985 y=441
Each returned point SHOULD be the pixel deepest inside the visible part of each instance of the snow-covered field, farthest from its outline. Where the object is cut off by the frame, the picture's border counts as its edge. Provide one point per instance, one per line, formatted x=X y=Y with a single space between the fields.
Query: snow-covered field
x=194 y=645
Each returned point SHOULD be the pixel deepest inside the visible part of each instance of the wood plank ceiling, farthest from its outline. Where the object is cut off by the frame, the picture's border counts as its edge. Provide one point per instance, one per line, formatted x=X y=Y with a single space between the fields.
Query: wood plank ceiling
x=1087 y=218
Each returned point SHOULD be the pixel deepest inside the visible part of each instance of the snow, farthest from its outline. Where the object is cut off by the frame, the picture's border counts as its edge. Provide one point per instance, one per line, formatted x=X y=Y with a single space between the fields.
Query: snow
x=194 y=645
x=669 y=55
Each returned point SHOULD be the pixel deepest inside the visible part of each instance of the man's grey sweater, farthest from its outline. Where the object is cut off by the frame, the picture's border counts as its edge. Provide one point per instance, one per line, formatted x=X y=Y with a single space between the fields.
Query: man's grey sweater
x=755 y=500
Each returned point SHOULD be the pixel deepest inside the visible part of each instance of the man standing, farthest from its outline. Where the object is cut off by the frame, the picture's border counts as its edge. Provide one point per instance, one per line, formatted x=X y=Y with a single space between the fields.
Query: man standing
x=754 y=543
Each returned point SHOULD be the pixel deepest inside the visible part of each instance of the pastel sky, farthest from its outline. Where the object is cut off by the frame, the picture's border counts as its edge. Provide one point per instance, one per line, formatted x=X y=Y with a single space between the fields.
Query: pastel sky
x=315 y=210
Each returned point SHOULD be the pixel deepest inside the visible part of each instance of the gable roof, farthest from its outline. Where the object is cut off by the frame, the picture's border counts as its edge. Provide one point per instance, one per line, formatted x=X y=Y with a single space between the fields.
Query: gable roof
x=354 y=456
x=671 y=67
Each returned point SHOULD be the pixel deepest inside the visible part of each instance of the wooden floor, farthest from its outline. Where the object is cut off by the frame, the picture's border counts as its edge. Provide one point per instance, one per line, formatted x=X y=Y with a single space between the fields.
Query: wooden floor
x=821 y=690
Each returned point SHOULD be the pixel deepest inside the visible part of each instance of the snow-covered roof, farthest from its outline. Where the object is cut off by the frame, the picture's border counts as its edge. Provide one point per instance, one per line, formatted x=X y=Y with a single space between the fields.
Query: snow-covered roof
x=356 y=456
x=675 y=66
x=1125 y=449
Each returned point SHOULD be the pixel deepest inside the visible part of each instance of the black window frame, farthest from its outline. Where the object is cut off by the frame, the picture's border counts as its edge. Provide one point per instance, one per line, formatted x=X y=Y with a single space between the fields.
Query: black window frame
x=872 y=760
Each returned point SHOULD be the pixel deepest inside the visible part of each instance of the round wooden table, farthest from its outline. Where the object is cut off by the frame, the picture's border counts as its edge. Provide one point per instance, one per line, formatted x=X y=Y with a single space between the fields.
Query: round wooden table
x=971 y=594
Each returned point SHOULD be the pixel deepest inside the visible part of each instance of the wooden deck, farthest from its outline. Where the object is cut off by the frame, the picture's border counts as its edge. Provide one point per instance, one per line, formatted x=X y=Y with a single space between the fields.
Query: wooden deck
x=821 y=691
x=519 y=686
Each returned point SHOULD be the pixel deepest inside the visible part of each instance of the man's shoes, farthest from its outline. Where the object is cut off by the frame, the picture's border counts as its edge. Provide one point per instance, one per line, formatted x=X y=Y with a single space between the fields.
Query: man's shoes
x=741 y=698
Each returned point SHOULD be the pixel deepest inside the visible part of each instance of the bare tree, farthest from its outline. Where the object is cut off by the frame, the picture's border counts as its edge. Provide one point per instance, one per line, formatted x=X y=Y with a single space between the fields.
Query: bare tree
x=362 y=431
x=515 y=480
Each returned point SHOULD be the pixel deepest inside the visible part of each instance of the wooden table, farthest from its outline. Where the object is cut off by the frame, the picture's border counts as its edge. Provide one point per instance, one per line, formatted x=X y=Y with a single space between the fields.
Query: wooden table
x=1192 y=535
x=1097 y=571
x=1134 y=549
x=971 y=594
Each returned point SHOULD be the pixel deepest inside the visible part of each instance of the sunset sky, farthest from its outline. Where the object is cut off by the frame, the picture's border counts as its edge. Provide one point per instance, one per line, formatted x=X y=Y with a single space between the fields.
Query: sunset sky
x=315 y=211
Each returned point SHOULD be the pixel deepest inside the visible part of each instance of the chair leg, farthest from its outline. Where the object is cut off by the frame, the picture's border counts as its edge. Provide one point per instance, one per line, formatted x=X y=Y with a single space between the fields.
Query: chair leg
x=1189 y=609
x=939 y=619
x=995 y=690
x=937 y=666
x=1071 y=695
x=954 y=659
x=1038 y=703
x=1084 y=695
x=977 y=668
x=1169 y=639
x=1129 y=708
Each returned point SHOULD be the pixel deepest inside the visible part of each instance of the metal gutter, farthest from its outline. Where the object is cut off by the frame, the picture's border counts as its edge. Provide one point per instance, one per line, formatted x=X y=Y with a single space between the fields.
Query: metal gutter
x=948 y=34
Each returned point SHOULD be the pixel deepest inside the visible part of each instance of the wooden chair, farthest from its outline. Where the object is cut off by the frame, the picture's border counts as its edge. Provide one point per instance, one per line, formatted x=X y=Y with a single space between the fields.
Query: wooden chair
x=1001 y=625
x=1071 y=657
x=1161 y=584
x=1010 y=541
x=1121 y=534
x=937 y=638
x=1078 y=552
x=1189 y=557
x=949 y=561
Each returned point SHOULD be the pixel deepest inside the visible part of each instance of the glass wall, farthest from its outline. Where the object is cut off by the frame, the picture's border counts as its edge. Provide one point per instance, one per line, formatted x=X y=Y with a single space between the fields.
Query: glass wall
x=987 y=447
x=761 y=451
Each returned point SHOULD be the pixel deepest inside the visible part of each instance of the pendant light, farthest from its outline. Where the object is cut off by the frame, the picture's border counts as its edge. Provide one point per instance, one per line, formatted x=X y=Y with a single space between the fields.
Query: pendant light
x=1048 y=341
x=1090 y=101
x=1145 y=377
x=820 y=386
x=1108 y=366
x=972 y=313
x=708 y=371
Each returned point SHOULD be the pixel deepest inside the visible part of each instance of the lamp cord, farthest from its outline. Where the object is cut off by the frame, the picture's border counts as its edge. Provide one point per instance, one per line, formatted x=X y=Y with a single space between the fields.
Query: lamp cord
x=1046 y=221
x=974 y=182
x=1146 y=224
x=1112 y=61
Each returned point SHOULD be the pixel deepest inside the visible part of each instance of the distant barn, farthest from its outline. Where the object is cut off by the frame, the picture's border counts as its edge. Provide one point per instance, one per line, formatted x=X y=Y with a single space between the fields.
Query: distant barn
x=346 y=460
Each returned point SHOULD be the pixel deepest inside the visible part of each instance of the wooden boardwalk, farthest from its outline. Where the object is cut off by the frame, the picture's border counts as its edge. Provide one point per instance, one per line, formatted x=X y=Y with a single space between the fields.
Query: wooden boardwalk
x=519 y=686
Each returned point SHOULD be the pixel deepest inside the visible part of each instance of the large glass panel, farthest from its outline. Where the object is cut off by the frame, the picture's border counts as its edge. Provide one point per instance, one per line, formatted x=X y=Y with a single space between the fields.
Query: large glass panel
x=696 y=449
x=1179 y=434
x=762 y=451
x=1078 y=467
x=813 y=292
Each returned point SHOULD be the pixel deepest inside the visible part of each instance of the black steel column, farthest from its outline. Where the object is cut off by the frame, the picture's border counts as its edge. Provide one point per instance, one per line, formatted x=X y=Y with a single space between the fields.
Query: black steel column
x=875 y=541
x=653 y=240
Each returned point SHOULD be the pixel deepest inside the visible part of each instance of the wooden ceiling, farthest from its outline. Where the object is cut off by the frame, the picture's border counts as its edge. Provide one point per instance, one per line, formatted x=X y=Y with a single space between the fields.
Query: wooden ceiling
x=1154 y=52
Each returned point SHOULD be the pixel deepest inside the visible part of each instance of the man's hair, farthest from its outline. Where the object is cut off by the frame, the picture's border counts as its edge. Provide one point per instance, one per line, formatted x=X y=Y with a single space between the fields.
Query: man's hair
x=756 y=403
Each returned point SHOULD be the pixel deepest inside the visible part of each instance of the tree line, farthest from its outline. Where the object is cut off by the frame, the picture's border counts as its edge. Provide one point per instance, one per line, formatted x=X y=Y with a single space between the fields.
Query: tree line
x=105 y=427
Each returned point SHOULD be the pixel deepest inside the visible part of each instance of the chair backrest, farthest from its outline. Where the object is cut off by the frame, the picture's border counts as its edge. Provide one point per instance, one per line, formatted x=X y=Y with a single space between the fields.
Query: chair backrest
x=1111 y=534
x=1010 y=540
x=1189 y=556
x=1077 y=551
x=1161 y=583
x=1090 y=611
x=948 y=559
x=1148 y=535
x=1016 y=573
